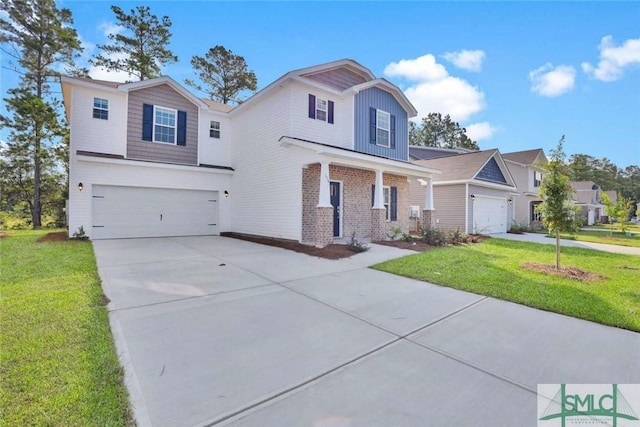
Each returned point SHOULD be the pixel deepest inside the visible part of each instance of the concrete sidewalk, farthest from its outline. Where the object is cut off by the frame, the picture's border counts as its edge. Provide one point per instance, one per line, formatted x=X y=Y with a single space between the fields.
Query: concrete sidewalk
x=543 y=239
x=218 y=331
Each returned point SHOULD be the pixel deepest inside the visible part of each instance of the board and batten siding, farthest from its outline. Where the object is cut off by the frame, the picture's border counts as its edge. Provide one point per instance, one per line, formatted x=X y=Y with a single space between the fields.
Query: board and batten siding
x=163 y=96
x=449 y=202
x=382 y=100
x=339 y=133
x=97 y=135
x=490 y=192
x=139 y=174
x=267 y=188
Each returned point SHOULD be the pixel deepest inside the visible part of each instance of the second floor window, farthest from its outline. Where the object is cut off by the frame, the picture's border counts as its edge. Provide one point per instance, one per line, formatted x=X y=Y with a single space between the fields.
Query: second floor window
x=383 y=128
x=214 y=130
x=164 y=125
x=537 y=179
x=321 y=109
x=101 y=108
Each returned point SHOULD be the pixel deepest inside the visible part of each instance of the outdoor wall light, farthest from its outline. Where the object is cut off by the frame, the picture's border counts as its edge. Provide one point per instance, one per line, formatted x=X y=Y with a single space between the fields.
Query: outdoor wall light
x=80 y=186
x=226 y=193
x=510 y=201
x=473 y=197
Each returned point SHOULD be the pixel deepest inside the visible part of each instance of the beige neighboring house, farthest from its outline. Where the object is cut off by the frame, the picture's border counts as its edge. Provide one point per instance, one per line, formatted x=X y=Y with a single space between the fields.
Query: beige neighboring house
x=527 y=169
x=588 y=196
x=473 y=194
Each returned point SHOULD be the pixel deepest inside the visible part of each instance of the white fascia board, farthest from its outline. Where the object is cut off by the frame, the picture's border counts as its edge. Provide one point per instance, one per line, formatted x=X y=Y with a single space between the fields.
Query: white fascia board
x=144 y=164
x=391 y=88
x=66 y=80
x=476 y=183
x=361 y=160
x=335 y=64
x=127 y=87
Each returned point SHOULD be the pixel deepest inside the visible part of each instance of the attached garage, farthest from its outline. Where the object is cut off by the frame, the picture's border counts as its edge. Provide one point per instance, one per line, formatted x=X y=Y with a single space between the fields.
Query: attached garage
x=129 y=212
x=489 y=214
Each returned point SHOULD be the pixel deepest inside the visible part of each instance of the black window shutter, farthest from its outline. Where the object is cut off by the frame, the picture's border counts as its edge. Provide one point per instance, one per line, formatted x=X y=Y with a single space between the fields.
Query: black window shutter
x=393 y=216
x=372 y=125
x=393 y=132
x=182 y=128
x=147 y=122
x=330 y=113
x=312 y=106
x=373 y=194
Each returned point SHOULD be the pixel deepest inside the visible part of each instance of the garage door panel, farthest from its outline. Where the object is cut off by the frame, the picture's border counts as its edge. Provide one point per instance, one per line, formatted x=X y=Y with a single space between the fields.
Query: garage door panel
x=120 y=212
x=489 y=215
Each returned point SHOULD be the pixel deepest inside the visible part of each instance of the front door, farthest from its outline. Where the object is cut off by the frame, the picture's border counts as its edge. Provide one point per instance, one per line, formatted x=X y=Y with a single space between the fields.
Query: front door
x=335 y=202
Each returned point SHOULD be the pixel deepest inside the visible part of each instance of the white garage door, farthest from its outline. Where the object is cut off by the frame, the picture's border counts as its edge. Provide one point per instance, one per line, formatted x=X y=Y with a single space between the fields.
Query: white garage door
x=489 y=215
x=121 y=212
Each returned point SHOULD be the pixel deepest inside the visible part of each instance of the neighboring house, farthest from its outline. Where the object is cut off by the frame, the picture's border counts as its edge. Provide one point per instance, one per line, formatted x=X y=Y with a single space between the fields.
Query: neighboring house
x=418 y=152
x=473 y=194
x=319 y=154
x=527 y=169
x=587 y=195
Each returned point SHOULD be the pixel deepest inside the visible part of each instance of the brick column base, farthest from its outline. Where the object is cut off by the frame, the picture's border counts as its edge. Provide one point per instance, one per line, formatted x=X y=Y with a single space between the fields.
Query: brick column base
x=324 y=226
x=427 y=218
x=378 y=224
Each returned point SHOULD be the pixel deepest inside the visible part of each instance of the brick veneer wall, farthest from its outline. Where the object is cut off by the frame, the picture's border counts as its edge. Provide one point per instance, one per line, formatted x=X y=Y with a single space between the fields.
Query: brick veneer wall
x=356 y=201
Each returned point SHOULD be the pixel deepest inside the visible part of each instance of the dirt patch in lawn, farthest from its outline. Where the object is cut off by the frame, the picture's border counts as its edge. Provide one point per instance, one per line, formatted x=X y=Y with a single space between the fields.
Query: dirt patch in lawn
x=568 y=272
x=58 y=236
x=332 y=251
x=3 y=234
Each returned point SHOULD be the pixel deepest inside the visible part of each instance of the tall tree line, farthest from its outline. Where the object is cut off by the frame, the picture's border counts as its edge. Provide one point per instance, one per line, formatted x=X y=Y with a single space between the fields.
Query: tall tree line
x=606 y=174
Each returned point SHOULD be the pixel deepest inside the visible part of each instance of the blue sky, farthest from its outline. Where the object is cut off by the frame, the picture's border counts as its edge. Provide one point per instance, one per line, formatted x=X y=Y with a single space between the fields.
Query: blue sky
x=518 y=75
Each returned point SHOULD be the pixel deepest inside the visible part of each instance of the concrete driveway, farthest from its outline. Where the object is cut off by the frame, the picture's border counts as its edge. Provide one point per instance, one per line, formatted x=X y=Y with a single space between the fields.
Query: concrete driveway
x=218 y=331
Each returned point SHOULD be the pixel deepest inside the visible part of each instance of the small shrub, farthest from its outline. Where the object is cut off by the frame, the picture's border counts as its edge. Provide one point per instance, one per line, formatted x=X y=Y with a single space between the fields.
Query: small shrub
x=519 y=227
x=394 y=233
x=434 y=236
x=14 y=221
x=80 y=234
x=406 y=237
x=457 y=237
x=356 y=246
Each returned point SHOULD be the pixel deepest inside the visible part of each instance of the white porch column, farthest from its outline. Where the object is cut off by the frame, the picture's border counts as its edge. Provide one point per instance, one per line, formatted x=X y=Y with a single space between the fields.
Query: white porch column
x=324 y=196
x=378 y=202
x=428 y=200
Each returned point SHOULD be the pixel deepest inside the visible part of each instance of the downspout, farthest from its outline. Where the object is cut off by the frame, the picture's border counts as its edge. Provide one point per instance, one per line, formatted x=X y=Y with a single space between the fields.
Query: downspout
x=466 y=208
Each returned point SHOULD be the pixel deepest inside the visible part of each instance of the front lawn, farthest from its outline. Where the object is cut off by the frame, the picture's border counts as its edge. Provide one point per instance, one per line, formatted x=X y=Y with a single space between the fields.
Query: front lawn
x=58 y=364
x=617 y=238
x=493 y=268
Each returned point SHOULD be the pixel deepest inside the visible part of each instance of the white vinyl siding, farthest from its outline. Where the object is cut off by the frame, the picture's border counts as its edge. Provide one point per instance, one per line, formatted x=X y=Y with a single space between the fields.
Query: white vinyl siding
x=339 y=134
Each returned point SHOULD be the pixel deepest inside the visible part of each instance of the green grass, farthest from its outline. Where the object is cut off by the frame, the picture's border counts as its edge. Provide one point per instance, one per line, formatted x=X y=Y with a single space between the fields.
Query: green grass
x=617 y=238
x=58 y=364
x=493 y=268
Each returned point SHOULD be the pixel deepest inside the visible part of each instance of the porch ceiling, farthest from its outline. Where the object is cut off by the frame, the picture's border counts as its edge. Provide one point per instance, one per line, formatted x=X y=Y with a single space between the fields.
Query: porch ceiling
x=349 y=158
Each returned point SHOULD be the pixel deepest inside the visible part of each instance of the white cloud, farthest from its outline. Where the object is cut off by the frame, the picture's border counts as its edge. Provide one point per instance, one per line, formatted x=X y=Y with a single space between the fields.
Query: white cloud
x=434 y=90
x=613 y=59
x=552 y=81
x=470 y=60
x=480 y=131
x=109 y=28
x=419 y=69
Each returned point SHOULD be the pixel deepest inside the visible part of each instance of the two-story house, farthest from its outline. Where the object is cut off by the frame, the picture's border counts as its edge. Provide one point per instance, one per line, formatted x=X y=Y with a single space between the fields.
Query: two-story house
x=587 y=195
x=527 y=169
x=317 y=155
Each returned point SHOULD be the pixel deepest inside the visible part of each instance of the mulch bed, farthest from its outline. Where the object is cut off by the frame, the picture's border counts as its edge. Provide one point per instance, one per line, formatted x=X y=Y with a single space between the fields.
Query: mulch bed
x=59 y=236
x=332 y=251
x=568 y=272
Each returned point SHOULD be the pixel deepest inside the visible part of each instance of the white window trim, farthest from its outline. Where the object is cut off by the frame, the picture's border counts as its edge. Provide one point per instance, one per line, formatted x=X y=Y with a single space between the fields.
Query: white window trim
x=175 y=128
x=100 y=108
x=325 y=110
x=387 y=203
x=211 y=128
x=388 y=130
